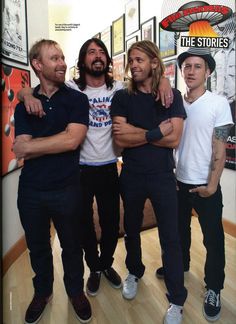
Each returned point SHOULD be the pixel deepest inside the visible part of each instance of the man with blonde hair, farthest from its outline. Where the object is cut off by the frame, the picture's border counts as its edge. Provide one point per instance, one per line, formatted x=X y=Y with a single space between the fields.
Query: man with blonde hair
x=49 y=186
x=148 y=132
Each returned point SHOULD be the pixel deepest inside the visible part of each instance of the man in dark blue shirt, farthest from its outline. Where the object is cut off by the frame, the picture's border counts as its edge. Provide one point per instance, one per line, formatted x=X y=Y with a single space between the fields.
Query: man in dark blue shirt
x=49 y=186
x=148 y=132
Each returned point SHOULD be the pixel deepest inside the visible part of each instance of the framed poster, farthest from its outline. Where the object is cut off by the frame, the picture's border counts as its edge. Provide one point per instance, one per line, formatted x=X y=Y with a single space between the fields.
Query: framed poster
x=14 y=31
x=106 y=38
x=13 y=79
x=148 y=30
x=130 y=41
x=167 y=43
x=171 y=72
x=98 y=35
x=118 y=67
x=132 y=16
x=118 y=36
x=222 y=81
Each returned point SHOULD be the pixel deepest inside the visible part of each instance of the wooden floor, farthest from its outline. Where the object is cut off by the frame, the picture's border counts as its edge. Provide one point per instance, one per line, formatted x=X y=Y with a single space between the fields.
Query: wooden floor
x=108 y=306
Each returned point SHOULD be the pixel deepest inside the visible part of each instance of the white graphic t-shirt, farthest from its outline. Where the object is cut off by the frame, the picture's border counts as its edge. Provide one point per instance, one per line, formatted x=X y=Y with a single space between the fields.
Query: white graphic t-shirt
x=98 y=147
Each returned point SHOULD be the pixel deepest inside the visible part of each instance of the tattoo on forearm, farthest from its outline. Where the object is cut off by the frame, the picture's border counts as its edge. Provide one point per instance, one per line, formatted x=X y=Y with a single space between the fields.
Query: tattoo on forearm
x=222 y=132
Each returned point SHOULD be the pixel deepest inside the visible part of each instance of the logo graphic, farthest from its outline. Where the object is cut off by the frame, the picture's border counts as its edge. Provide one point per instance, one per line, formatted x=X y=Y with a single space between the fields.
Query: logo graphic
x=198 y=18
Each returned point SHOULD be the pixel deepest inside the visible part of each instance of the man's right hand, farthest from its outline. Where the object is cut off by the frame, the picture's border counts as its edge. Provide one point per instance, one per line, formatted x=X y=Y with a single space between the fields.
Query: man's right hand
x=33 y=105
x=166 y=127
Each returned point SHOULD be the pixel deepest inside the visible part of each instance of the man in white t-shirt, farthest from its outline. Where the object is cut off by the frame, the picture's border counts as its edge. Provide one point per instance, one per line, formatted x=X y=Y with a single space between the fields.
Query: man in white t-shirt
x=200 y=160
x=98 y=159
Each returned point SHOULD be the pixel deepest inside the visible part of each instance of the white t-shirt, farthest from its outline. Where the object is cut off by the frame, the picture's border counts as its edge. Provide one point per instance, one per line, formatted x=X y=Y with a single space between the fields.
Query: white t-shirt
x=98 y=147
x=193 y=156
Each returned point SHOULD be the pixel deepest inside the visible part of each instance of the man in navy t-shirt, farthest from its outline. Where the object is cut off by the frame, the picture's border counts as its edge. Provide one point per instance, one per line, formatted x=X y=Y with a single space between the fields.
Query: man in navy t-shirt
x=148 y=132
x=49 y=186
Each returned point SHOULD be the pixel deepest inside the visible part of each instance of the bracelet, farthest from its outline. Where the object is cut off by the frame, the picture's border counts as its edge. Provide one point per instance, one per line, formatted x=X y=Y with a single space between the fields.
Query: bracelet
x=154 y=135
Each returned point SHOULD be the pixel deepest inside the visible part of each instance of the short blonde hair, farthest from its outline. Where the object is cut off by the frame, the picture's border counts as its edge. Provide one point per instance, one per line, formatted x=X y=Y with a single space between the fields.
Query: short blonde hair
x=35 y=50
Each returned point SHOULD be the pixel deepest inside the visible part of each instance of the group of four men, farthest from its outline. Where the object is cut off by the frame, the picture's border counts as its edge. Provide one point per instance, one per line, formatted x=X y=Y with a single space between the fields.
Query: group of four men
x=70 y=134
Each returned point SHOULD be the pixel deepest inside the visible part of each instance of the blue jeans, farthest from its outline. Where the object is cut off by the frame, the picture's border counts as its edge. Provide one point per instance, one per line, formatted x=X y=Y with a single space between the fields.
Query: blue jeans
x=161 y=190
x=209 y=212
x=102 y=183
x=37 y=209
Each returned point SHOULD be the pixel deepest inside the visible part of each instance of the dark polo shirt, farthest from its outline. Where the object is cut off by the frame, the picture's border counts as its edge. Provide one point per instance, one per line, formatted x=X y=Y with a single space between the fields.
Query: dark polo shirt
x=52 y=171
x=142 y=110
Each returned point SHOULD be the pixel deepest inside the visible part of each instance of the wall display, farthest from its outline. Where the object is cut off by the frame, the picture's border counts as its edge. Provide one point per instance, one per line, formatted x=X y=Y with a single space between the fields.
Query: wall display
x=130 y=41
x=98 y=35
x=171 y=72
x=13 y=79
x=167 y=43
x=148 y=30
x=14 y=31
x=118 y=36
x=132 y=16
x=222 y=81
x=118 y=67
x=106 y=38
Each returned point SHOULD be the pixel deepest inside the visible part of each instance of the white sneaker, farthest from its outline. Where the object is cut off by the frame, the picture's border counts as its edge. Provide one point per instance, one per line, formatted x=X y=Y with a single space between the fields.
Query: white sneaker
x=130 y=287
x=174 y=314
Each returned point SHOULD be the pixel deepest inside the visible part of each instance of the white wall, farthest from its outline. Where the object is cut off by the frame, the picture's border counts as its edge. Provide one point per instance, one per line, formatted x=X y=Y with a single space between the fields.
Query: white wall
x=93 y=16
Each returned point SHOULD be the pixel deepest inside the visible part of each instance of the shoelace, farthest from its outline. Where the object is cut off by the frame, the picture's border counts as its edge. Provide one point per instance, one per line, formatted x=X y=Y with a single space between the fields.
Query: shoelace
x=175 y=310
x=211 y=297
x=131 y=279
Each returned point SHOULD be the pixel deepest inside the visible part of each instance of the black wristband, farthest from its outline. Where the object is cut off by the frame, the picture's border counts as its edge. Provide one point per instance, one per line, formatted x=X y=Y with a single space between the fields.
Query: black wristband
x=154 y=135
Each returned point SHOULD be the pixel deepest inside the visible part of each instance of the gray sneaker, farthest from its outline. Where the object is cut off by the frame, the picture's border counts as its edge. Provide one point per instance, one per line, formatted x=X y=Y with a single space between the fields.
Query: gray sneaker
x=130 y=287
x=174 y=314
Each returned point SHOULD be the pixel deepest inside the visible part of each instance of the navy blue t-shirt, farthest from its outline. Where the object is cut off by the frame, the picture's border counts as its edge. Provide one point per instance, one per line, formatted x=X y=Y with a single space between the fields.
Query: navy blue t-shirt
x=142 y=110
x=52 y=170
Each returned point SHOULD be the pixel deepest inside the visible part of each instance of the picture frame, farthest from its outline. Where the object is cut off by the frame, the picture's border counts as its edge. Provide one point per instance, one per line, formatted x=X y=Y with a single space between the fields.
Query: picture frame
x=171 y=72
x=130 y=41
x=98 y=35
x=106 y=38
x=148 y=30
x=13 y=79
x=132 y=16
x=118 y=63
x=14 y=31
x=167 y=43
x=118 y=35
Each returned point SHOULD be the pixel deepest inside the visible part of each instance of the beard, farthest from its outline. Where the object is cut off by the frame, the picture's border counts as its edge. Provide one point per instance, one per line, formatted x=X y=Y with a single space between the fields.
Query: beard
x=96 y=72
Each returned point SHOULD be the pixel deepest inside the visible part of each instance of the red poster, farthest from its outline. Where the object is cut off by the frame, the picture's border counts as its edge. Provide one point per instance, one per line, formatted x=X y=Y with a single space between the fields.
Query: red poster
x=13 y=79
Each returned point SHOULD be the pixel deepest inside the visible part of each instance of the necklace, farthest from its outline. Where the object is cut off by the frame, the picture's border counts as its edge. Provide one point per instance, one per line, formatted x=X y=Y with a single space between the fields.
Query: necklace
x=190 y=101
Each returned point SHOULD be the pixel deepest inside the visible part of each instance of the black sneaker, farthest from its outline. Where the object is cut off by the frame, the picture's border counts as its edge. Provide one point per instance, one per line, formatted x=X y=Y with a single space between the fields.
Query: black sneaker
x=211 y=306
x=82 y=308
x=36 y=308
x=113 y=277
x=160 y=272
x=93 y=283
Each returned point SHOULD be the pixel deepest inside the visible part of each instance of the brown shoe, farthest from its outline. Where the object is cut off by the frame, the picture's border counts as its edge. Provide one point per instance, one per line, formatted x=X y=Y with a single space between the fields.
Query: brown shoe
x=93 y=283
x=113 y=277
x=36 y=308
x=82 y=308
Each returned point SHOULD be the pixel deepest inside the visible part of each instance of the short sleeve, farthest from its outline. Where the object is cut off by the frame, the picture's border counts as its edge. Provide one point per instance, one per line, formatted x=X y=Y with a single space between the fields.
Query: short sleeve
x=79 y=112
x=223 y=112
x=119 y=104
x=22 y=124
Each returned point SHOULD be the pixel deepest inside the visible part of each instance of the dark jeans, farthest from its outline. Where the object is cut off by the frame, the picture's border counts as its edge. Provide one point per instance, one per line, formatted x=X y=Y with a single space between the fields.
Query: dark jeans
x=102 y=183
x=161 y=190
x=37 y=209
x=209 y=212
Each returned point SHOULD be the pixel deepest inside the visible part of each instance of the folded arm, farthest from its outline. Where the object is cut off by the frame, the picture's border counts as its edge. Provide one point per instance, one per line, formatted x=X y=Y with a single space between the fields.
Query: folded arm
x=27 y=147
x=127 y=135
